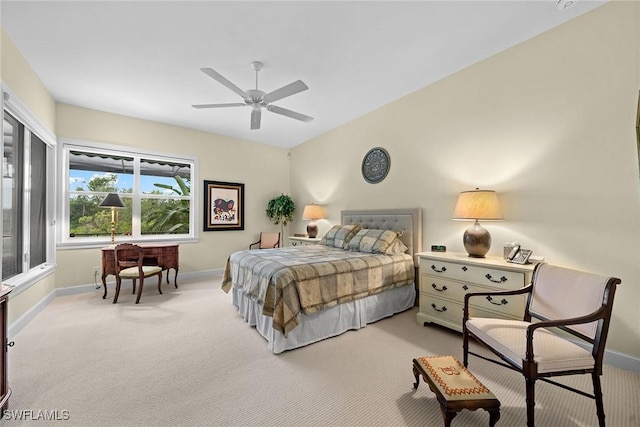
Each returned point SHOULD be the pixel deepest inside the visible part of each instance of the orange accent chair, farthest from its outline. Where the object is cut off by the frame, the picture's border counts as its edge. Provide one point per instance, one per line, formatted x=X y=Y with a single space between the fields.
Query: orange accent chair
x=267 y=241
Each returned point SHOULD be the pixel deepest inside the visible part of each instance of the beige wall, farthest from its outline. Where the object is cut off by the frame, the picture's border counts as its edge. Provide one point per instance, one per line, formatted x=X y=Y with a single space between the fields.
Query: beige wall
x=549 y=124
x=19 y=76
x=219 y=158
x=16 y=73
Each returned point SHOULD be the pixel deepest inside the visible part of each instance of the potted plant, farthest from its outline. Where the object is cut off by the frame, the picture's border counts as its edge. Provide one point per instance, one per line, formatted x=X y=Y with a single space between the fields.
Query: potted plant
x=280 y=211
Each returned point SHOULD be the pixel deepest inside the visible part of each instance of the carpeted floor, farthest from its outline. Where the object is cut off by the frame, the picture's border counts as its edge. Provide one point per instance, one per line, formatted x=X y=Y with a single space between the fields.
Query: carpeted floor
x=186 y=358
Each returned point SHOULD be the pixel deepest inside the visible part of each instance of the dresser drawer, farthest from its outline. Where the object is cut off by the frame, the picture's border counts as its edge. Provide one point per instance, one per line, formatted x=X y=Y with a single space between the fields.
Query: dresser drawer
x=441 y=309
x=510 y=305
x=441 y=288
x=450 y=314
x=488 y=276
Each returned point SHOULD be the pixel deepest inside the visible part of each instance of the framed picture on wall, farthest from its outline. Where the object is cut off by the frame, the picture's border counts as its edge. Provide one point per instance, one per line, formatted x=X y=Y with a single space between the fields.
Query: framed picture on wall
x=223 y=206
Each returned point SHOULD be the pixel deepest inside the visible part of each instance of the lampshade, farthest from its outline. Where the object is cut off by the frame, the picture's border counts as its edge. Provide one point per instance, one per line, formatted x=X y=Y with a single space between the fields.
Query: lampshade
x=475 y=205
x=112 y=200
x=313 y=212
x=478 y=204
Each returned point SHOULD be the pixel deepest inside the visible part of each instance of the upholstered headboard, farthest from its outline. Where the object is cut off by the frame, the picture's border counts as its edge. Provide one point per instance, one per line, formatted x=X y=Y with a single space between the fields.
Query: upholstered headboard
x=409 y=221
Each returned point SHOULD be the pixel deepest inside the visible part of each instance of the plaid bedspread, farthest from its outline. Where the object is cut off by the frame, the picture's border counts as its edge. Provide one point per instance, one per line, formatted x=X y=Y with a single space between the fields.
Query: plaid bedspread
x=306 y=279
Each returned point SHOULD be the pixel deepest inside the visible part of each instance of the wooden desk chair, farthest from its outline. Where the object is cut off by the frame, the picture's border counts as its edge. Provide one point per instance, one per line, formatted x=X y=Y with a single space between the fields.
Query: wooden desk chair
x=267 y=241
x=129 y=264
x=576 y=302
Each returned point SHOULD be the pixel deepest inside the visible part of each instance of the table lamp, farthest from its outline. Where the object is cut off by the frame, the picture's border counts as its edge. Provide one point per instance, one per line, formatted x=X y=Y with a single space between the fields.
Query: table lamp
x=476 y=205
x=313 y=212
x=114 y=202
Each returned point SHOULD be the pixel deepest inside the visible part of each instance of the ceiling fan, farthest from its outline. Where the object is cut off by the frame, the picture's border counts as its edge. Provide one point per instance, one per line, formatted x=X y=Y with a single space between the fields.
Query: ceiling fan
x=258 y=99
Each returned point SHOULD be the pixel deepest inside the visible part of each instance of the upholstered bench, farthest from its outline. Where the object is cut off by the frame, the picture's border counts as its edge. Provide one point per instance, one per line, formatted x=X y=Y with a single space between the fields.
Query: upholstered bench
x=455 y=387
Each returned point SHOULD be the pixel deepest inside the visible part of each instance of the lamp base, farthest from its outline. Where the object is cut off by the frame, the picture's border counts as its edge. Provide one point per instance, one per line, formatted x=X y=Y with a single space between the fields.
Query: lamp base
x=477 y=241
x=312 y=229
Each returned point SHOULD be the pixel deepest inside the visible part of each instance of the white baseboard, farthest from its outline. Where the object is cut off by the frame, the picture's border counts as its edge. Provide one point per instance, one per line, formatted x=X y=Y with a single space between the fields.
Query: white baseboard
x=27 y=317
x=622 y=361
x=613 y=358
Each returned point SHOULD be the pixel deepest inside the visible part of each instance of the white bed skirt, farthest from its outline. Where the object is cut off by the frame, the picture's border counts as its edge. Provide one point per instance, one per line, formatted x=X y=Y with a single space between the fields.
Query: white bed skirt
x=327 y=323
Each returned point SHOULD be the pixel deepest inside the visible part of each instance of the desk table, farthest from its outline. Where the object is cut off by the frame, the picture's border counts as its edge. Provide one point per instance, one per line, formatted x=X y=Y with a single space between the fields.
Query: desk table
x=164 y=255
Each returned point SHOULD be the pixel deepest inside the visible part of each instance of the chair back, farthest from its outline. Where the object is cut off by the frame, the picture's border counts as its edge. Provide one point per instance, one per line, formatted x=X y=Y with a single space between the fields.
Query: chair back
x=269 y=240
x=128 y=255
x=562 y=293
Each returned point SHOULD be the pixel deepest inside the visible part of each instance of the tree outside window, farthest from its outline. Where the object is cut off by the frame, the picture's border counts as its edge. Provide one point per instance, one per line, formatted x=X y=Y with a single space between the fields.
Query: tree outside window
x=155 y=191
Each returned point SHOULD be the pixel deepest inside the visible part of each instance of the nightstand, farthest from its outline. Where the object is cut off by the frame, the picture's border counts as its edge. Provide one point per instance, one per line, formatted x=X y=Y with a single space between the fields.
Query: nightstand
x=446 y=277
x=303 y=241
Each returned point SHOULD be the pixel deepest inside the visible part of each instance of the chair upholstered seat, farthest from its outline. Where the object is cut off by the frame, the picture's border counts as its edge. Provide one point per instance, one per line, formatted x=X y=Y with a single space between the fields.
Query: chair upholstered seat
x=552 y=352
x=133 y=273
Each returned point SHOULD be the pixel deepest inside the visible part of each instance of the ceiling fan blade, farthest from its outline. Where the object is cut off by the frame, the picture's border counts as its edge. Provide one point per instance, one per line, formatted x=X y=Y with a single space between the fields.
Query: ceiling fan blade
x=234 y=104
x=284 y=91
x=289 y=113
x=220 y=79
x=256 y=115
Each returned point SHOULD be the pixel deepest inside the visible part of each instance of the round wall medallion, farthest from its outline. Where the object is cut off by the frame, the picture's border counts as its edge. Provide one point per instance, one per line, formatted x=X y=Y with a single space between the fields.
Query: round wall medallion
x=375 y=165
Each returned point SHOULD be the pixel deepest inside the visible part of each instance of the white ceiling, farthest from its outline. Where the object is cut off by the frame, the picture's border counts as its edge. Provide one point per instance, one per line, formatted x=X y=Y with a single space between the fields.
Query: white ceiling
x=143 y=59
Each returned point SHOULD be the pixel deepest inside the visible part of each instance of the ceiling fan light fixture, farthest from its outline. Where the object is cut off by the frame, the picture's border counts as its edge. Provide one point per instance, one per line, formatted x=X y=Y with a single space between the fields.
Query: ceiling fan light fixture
x=256 y=98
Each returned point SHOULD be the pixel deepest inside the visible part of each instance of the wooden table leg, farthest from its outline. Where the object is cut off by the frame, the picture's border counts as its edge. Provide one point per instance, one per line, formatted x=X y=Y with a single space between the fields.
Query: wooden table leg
x=104 y=285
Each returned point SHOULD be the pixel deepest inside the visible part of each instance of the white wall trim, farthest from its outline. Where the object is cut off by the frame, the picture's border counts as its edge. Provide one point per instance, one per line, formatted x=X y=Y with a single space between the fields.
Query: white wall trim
x=27 y=317
x=14 y=105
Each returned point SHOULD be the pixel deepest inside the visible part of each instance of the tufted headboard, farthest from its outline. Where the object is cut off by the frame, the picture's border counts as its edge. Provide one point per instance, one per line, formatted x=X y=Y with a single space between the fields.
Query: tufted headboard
x=409 y=221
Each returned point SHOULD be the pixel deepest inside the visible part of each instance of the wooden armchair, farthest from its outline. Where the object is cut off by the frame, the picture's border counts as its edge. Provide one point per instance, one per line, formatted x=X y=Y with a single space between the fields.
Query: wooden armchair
x=129 y=264
x=267 y=241
x=576 y=302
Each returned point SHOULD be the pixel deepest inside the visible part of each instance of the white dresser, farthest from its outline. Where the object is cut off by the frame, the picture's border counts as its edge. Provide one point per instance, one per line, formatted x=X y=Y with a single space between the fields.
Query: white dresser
x=446 y=277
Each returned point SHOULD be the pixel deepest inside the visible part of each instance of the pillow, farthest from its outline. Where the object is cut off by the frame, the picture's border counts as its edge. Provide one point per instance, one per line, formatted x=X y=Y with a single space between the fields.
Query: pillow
x=377 y=242
x=340 y=235
x=397 y=247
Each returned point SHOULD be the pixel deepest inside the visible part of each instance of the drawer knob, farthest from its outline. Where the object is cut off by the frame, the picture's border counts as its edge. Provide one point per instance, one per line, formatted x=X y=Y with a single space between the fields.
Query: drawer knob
x=441 y=310
x=491 y=279
x=465 y=287
x=464 y=268
x=444 y=288
x=442 y=270
x=503 y=302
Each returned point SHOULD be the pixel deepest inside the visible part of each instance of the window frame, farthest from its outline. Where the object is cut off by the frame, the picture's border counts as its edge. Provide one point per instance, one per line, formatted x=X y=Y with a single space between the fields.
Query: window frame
x=13 y=105
x=67 y=145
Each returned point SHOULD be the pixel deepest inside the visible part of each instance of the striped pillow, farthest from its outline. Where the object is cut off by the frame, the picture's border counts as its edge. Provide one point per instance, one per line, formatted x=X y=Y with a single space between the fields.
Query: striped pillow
x=340 y=235
x=375 y=241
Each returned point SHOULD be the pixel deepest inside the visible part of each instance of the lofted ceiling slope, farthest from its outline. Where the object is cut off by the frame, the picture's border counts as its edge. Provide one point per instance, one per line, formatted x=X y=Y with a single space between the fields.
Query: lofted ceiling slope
x=143 y=58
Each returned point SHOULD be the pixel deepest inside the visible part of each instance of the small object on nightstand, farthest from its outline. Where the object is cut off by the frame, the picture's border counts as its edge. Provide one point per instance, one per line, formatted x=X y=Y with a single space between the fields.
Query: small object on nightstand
x=438 y=248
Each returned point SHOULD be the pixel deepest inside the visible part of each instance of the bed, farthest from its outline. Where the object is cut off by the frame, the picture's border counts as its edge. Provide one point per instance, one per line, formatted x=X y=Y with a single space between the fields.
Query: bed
x=299 y=295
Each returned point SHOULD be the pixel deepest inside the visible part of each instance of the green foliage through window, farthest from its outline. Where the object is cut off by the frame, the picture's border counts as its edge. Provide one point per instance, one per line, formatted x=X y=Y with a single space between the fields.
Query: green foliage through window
x=161 y=205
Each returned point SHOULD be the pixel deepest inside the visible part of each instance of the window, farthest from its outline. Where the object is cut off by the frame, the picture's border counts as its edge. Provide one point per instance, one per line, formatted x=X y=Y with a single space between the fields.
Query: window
x=156 y=191
x=27 y=249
